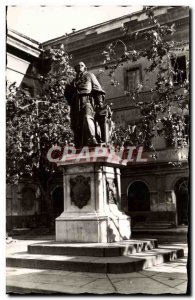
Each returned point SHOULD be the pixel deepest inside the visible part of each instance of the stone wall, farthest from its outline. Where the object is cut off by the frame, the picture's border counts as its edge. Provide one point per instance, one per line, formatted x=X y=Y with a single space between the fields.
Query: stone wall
x=23 y=205
x=161 y=180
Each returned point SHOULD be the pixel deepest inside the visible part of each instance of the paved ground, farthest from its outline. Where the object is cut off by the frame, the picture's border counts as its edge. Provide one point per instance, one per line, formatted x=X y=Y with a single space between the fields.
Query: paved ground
x=167 y=278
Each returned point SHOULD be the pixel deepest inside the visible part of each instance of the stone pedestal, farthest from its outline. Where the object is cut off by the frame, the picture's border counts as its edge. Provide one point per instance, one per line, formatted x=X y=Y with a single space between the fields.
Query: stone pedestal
x=91 y=203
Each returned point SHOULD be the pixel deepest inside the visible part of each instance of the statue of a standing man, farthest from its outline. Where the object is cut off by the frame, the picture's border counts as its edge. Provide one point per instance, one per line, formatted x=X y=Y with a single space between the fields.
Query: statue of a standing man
x=85 y=96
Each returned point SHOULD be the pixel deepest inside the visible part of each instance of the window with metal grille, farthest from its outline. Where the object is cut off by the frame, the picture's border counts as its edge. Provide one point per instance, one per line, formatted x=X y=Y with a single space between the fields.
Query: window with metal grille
x=132 y=79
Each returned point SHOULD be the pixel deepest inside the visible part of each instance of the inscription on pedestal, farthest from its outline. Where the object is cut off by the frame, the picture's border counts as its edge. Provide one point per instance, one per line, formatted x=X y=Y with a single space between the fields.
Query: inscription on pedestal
x=80 y=191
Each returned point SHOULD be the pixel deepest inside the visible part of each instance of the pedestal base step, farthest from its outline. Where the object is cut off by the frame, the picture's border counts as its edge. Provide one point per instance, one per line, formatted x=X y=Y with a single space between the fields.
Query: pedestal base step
x=94 y=249
x=121 y=264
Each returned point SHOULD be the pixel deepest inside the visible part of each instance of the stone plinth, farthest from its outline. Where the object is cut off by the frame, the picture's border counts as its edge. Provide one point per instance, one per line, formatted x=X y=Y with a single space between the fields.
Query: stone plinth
x=92 y=195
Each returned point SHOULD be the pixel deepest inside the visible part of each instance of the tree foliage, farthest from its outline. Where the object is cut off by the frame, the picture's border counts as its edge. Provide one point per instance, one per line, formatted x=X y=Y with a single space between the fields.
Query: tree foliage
x=165 y=112
x=36 y=123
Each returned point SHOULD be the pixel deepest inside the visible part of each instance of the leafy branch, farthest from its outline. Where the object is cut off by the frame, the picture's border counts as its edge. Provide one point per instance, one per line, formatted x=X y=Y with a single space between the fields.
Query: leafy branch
x=164 y=113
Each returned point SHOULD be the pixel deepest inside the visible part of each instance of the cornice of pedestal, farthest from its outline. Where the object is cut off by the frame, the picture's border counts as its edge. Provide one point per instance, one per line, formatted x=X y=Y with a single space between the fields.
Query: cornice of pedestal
x=92 y=158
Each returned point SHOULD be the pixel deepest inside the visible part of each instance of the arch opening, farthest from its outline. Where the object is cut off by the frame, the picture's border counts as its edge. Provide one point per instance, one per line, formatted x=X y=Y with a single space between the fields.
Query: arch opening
x=138 y=197
x=182 y=198
x=57 y=201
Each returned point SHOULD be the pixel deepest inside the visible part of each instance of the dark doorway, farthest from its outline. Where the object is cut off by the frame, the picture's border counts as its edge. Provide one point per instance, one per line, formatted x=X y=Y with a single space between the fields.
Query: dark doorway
x=58 y=201
x=138 y=197
x=28 y=201
x=181 y=191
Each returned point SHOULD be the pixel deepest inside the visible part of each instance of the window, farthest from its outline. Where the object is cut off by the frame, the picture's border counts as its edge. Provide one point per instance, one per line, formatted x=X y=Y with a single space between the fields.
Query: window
x=132 y=79
x=179 y=65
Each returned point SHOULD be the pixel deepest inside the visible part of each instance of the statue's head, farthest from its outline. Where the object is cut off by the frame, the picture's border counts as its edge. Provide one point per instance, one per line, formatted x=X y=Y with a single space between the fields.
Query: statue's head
x=80 y=67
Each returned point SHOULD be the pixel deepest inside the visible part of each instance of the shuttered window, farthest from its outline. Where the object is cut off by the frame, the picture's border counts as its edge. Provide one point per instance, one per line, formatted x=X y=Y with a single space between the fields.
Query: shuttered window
x=132 y=79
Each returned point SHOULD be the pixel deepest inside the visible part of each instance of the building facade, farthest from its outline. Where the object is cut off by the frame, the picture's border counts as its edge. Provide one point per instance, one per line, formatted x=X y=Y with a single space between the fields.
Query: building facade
x=153 y=191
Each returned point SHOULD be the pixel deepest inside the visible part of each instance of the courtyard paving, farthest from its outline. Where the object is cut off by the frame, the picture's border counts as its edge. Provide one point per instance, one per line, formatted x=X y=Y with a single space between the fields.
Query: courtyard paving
x=167 y=278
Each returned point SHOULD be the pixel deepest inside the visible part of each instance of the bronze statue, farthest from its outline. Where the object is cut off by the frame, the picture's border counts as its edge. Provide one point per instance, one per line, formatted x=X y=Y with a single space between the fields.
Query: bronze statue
x=88 y=112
